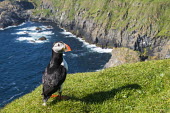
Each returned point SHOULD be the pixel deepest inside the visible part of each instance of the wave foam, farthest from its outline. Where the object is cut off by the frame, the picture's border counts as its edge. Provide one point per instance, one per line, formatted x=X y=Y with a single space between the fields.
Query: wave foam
x=31 y=35
x=73 y=55
x=66 y=33
x=71 y=35
x=34 y=33
x=30 y=40
x=39 y=34
x=21 y=32
x=33 y=28
x=25 y=39
x=12 y=26
x=93 y=47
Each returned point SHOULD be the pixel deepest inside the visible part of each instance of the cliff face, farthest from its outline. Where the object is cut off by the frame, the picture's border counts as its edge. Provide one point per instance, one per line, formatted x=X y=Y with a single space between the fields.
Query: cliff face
x=141 y=25
x=14 y=13
x=122 y=56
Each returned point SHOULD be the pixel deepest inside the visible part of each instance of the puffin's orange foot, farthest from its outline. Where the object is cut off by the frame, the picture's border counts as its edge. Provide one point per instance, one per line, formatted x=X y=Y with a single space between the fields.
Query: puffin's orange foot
x=53 y=96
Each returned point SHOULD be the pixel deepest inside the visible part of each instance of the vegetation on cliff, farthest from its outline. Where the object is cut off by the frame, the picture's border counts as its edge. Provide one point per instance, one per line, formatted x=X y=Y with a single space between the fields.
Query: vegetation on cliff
x=141 y=25
x=138 y=88
x=138 y=15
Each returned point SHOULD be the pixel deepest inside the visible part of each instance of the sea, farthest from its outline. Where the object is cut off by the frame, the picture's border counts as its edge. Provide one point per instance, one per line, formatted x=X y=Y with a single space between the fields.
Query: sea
x=23 y=57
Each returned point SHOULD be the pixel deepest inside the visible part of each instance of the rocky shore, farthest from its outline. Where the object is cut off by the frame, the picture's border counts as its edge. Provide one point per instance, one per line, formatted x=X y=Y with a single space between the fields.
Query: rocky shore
x=14 y=13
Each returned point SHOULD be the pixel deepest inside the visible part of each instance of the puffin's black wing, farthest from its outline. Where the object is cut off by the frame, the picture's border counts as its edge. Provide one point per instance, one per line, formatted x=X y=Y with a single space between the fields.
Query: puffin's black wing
x=53 y=79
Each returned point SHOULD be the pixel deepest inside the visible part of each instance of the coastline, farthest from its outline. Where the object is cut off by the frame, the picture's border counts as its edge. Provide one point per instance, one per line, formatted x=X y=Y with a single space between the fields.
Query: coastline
x=11 y=26
x=93 y=47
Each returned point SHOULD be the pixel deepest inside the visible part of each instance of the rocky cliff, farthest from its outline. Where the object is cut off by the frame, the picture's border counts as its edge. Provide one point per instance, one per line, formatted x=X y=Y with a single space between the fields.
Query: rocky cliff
x=141 y=25
x=122 y=56
x=14 y=13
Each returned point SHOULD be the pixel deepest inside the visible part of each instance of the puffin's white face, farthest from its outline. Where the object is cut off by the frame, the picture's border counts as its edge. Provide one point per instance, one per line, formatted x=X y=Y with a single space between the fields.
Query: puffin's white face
x=60 y=47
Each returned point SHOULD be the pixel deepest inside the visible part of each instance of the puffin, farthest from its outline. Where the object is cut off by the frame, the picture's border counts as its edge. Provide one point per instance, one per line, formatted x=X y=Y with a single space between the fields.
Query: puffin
x=55 y=73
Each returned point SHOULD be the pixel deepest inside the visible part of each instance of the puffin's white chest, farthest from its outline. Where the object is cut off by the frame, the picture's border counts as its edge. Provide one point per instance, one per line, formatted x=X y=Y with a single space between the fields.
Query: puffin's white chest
x=64 y=63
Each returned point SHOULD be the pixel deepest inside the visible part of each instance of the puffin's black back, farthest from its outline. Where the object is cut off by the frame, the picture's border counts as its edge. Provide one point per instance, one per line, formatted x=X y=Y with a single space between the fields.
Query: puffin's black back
x=54 y=75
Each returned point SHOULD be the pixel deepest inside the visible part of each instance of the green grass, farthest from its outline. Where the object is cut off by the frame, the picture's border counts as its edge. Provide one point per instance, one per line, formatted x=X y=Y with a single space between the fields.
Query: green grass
x=142 y=87
x=44 y=12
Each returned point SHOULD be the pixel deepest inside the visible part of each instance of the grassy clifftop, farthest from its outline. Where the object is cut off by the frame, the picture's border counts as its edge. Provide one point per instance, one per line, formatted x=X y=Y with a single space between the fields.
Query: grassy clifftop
x=138 y=88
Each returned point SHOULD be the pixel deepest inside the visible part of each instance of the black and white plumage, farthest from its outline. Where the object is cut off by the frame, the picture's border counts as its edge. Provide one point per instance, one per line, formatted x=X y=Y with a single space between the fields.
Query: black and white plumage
x=56 y=71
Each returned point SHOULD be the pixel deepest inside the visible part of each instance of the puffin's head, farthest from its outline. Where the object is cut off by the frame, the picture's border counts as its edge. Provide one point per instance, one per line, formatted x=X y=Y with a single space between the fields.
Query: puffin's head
x=59 y=47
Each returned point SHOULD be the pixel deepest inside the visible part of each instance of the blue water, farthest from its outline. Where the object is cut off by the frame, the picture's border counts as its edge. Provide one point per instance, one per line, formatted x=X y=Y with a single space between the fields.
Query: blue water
x=23 y=58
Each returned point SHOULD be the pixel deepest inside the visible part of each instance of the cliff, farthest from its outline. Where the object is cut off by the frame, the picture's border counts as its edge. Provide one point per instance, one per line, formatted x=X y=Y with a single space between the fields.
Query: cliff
x=14 y=13
x=141 y=25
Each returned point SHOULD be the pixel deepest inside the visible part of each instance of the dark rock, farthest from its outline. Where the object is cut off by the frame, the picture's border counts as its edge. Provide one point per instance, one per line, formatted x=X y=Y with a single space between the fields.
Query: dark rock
x=38 y=28
x=49 y=27
x=33 y=41
x=42 y=38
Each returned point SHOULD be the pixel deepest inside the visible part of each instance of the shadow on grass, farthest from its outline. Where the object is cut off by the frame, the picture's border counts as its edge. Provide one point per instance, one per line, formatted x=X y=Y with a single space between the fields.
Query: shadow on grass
x=54 y=101
x=100 y=97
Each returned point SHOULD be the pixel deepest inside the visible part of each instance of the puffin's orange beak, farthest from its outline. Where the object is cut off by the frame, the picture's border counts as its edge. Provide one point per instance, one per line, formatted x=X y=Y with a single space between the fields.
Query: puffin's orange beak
x=67 y=48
